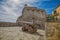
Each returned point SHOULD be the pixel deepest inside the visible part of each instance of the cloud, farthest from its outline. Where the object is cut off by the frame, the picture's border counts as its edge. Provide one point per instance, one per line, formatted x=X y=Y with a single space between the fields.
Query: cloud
x=11 y=9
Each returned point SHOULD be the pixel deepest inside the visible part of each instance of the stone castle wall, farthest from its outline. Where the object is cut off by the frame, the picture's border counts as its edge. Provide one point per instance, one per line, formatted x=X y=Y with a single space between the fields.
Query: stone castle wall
x=32 y=14
x=7 y=24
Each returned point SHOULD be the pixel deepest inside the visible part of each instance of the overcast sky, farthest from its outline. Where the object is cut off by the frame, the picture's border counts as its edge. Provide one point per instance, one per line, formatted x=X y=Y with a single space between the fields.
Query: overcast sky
x=10 y=10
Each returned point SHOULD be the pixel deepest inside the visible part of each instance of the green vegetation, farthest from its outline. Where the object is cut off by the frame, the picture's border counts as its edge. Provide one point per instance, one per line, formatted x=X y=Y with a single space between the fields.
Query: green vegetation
x=51 y=18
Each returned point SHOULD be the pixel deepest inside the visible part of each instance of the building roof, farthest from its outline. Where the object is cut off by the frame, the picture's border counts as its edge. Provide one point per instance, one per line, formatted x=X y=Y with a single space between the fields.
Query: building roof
x=58 y=6
x=55 y=8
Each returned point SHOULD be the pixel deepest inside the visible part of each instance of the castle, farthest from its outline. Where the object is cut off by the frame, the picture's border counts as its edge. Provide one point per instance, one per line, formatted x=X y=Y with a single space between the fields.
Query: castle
x=32 y=15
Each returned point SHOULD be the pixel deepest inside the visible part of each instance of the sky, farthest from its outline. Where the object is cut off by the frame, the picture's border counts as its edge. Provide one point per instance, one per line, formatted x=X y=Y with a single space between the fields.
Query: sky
x=10 y=10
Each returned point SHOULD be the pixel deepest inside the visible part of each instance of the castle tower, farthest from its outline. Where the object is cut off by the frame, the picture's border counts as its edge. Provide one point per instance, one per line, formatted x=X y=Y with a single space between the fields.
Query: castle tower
x=25 y=5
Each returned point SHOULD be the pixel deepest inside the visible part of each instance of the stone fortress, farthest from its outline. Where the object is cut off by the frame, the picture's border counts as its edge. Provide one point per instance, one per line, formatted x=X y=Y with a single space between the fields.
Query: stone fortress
x=32 y=15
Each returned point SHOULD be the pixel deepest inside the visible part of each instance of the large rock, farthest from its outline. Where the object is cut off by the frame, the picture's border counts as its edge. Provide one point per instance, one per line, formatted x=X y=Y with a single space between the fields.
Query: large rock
x=29 y=28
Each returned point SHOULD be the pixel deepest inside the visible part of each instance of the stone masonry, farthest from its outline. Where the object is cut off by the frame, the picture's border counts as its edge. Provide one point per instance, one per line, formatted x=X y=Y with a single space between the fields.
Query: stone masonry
x=32 y=15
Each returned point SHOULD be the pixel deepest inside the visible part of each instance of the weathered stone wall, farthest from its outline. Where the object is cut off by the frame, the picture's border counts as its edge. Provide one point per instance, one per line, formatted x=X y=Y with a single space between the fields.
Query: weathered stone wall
x=53 y=31
x=6 y=24
x=33 y=14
